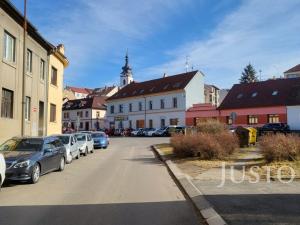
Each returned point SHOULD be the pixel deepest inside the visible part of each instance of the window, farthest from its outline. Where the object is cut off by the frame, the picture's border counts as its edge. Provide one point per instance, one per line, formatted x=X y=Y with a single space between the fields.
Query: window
x=130 y=124
x=174 y=102
x=9 y=53
x=240 y=96
x=53 y=76
x=52 y=113
x=162 y=123
x=80 y=114
x=29 y=61
x=86 y=113
x=120 y=108
x=140 y=106
x=150 y=105
x=130 y=107
x=27 y=107
x=150 y=123
x=7 y=103
x=66 y=115
x=174 y=121
x=97 y=114
x=162 y=103
x=112 y=109
x=229 y=120
x=254 y=94
x=42 y=69
x=252 y=120
x=273 y=118
x=275 y=93
x=81 y=125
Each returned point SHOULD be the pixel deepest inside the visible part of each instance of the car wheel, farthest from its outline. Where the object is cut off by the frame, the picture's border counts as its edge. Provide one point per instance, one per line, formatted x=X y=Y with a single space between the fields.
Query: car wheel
x=86 y=151
x=61 y=164
x=92 y=151
x=78 y=155
x=35 y=174
x=105 y=147
x=70 y=161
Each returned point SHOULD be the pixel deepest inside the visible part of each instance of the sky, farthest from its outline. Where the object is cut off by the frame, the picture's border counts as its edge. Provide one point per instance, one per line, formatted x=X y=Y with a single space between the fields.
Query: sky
x=217 y=37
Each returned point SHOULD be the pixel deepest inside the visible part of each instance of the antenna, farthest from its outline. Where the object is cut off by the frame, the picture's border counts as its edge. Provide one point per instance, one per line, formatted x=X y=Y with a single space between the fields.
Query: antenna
x=187 y=64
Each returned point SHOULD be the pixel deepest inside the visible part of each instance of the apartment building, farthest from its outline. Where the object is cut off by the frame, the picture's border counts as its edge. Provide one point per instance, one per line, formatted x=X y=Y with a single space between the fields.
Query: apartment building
x=38 y=54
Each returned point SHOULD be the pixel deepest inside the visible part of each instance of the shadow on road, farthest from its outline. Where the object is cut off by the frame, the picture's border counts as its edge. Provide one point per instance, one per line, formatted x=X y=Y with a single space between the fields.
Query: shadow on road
x=154 y=213
x=271 y=209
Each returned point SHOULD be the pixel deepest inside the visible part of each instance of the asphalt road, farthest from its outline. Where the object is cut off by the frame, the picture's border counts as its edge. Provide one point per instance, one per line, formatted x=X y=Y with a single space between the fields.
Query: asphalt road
x=123 y=185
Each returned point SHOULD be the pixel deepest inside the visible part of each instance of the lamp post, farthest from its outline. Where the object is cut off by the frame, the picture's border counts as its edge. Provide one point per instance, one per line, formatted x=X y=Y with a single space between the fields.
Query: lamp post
x=145 y=113
x=24 y=69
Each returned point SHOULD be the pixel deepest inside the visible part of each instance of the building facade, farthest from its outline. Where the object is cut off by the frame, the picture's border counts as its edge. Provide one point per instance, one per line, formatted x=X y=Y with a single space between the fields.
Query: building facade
x=84 y=114
x=57 y=63
x=255 y=104
x=212 y=94
x=293 y=72
x=155 y=103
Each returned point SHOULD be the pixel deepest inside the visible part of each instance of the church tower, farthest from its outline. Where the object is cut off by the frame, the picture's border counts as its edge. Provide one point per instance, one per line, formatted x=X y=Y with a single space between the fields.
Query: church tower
x=126 y=74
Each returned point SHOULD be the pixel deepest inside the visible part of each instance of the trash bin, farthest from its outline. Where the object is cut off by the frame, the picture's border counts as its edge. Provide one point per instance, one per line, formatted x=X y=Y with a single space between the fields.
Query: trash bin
x=252 y=136
x=243 y=136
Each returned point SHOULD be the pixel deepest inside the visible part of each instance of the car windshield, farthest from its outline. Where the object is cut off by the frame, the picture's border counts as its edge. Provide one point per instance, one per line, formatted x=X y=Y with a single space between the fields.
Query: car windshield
x=80 y=137
x=26 y=144
x=64 y=139
x=98 y=135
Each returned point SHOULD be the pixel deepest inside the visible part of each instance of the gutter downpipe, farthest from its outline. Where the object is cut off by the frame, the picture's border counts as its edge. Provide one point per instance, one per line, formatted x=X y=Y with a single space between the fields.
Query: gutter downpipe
x=24 y=69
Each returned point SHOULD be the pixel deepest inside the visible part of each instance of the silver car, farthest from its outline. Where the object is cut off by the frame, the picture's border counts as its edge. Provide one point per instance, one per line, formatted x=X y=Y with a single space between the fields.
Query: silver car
x=85 y=143
x=71 y=145
x=2 y=169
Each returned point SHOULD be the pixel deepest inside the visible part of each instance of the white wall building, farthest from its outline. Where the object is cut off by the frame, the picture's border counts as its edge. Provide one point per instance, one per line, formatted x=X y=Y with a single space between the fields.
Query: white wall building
x=293 y=117
x=293 y=72
x=155 y=103
x=85 y=114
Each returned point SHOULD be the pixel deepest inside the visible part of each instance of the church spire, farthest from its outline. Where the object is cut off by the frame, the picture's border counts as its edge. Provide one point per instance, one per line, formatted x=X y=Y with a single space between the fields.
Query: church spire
x=126 y=74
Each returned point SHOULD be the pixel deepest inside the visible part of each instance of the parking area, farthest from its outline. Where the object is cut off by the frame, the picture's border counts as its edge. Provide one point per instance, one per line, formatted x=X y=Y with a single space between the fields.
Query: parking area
x=123 y=184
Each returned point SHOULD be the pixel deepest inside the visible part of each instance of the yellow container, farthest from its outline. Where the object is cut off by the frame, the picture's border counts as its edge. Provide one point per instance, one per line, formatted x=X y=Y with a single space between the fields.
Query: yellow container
x=252 y=135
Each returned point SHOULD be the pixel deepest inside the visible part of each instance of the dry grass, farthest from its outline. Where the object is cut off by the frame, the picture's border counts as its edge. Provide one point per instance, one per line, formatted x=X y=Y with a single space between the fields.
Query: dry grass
x=280 y=147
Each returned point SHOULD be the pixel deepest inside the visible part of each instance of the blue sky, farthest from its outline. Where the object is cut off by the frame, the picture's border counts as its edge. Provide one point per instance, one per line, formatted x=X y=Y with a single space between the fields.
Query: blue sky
x=219 y=37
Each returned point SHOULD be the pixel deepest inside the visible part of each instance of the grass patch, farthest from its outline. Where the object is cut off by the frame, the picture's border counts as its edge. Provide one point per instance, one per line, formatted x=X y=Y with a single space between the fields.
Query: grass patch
x=165 y=148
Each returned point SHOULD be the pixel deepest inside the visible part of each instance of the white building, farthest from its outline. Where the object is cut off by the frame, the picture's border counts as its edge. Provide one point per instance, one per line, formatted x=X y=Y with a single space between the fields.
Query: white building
x=293 y=72
x=154 y=103
x=85 y=114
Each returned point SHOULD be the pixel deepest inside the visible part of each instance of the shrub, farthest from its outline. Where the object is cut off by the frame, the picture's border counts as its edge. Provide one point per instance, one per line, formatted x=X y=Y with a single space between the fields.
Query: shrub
x=211 y=126
x=280 y=147
x=205 y=145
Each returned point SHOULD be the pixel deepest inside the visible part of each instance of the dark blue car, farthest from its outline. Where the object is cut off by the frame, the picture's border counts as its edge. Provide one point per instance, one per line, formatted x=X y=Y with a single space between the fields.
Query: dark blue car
x=28 y=158
x=100 y=140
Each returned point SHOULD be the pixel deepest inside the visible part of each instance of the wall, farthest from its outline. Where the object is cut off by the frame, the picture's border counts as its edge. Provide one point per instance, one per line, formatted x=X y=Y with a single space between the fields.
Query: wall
x=55 y=96
x=293 y=117
x=11 y=78
x=194 y=91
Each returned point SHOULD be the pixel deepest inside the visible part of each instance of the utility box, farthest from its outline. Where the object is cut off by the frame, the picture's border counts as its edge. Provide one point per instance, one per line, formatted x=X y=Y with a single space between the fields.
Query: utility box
x=243 y=136
x=252 y=136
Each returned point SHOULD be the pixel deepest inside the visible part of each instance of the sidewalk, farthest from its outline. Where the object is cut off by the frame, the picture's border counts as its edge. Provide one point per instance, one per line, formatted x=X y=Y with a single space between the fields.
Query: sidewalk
x=246 y=203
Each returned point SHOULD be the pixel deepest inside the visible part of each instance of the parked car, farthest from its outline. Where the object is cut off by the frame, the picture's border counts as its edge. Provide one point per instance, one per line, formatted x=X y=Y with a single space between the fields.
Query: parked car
x=100 y=140
x=274 y=128
x=28 y=158
x=137 y=132
x=85 y=143
x=71 y=145
x=2 y=169
x=169 y=130
x=151 y=132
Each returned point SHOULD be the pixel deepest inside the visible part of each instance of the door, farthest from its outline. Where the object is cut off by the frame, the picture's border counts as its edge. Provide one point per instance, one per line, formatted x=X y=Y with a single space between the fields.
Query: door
x=72 y=147
x=48 y=156
x=41 y=118
x=87 y=126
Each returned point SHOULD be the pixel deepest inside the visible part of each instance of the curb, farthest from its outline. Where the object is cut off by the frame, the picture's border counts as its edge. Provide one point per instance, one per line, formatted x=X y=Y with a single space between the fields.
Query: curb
x=204 y=208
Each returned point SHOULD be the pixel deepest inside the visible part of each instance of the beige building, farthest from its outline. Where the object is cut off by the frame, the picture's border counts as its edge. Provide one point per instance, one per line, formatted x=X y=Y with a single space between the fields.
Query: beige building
x=85 y=114
x=212 y=94
x=38 y=51
x=57 y=63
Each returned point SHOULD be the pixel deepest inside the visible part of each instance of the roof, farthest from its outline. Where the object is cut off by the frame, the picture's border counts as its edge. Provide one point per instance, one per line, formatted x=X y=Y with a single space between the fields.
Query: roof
x=211 y=86
x=104 y=91
x=80 y=90
x=165 y=84
x=15 y=14
x=279 y=92
x=86 y=103
x=294 y=69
